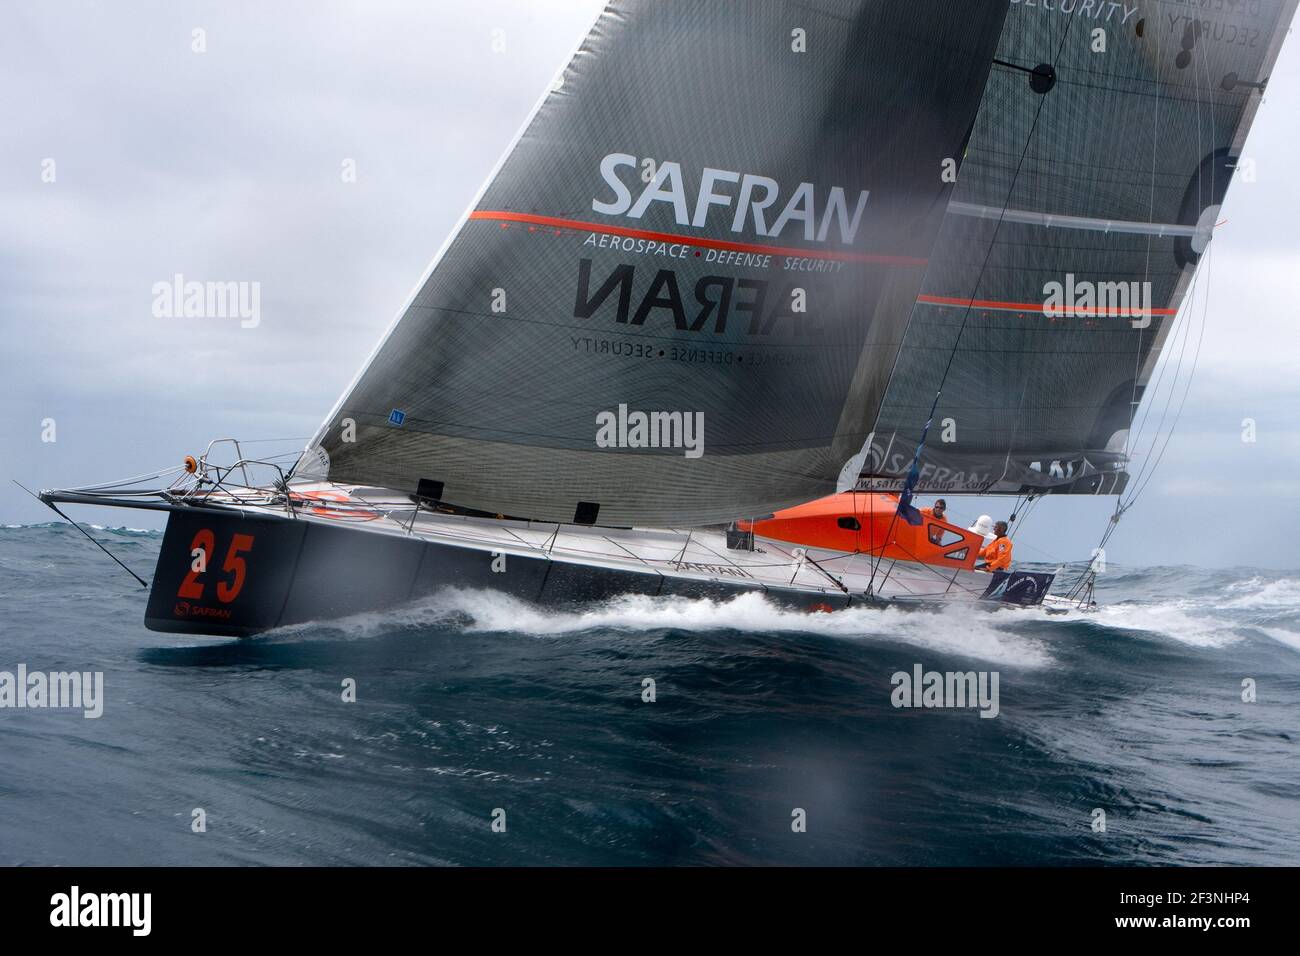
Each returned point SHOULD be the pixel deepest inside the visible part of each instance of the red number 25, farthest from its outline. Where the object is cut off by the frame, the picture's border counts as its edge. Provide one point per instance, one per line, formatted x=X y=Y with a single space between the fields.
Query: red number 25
x=205 y=541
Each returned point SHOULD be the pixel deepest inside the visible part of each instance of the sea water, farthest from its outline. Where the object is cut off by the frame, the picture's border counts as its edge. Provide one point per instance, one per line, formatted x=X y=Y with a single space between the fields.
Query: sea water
x=472 y=729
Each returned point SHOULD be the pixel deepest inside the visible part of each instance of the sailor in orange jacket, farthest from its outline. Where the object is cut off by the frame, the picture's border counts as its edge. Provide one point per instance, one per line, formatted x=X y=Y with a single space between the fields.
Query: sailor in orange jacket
x=937 y=511
x=997 y=553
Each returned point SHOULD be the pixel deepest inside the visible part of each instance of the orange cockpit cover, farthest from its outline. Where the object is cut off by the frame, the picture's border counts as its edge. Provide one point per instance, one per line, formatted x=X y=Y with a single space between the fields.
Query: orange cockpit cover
x=866 y=522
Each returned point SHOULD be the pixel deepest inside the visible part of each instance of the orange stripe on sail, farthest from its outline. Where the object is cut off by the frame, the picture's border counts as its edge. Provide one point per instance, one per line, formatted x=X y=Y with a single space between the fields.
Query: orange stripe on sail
x=553 y=222
x=1034 y=307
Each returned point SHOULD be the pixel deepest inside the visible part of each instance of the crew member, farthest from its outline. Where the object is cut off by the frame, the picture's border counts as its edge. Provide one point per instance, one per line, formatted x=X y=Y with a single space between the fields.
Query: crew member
x=937 y=511
x=997 y=554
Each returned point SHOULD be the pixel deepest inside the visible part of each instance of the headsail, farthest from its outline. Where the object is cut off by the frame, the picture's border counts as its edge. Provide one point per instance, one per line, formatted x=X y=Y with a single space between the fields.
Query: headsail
x=1079 y=186
x=679 y=298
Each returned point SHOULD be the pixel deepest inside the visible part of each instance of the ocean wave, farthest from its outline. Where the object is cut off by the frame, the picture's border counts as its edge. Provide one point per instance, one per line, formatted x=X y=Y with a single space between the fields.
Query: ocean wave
x=63 y=525
x=1290 y=638
x=971 y=632
x=1184 y=621
x=1218 y=615
x=1260 y=592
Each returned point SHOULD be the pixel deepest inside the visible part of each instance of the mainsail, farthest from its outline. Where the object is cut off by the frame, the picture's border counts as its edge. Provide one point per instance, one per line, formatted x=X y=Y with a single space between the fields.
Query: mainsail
x=679 y=298
x=1082 y=183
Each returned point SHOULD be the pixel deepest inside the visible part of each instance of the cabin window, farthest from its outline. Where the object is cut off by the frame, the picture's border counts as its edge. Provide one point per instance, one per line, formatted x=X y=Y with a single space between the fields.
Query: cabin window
x=943 y=537
x=958 y=555
x=849 y=524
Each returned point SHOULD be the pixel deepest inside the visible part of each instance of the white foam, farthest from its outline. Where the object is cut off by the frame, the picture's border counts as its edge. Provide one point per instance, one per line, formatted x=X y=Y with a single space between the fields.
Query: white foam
x=971 y=632
x=1290 y=638
x=1258 y=593
x=1184 y=621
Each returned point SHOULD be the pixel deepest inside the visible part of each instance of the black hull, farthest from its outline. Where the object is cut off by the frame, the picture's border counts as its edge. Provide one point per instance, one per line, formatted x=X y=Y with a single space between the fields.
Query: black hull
x=296 y=570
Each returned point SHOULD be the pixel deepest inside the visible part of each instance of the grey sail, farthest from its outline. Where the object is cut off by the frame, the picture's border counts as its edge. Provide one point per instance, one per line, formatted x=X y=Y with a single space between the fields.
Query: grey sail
x=1110 y=172
x=679 y=298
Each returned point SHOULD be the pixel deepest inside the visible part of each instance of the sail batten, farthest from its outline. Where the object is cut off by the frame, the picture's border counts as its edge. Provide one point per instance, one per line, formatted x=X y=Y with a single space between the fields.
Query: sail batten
x=1056 y=220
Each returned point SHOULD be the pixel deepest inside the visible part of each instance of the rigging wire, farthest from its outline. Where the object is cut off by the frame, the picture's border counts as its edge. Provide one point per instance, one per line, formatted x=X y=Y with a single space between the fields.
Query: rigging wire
x=1083 y=586
x=89 y=537
x=1148 y=469
x=1189 y=298
x=1129 y=438
x=1206 y=266
x=1171 y=362
x=952 y=354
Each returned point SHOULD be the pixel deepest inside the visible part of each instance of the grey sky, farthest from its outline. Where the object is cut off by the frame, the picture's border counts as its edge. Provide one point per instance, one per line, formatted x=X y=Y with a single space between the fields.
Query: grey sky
x=227 y=165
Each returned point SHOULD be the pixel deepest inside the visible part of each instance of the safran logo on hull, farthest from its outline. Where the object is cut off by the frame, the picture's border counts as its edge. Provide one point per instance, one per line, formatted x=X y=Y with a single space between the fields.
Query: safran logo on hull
x=186 y=609
x=747 y=199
